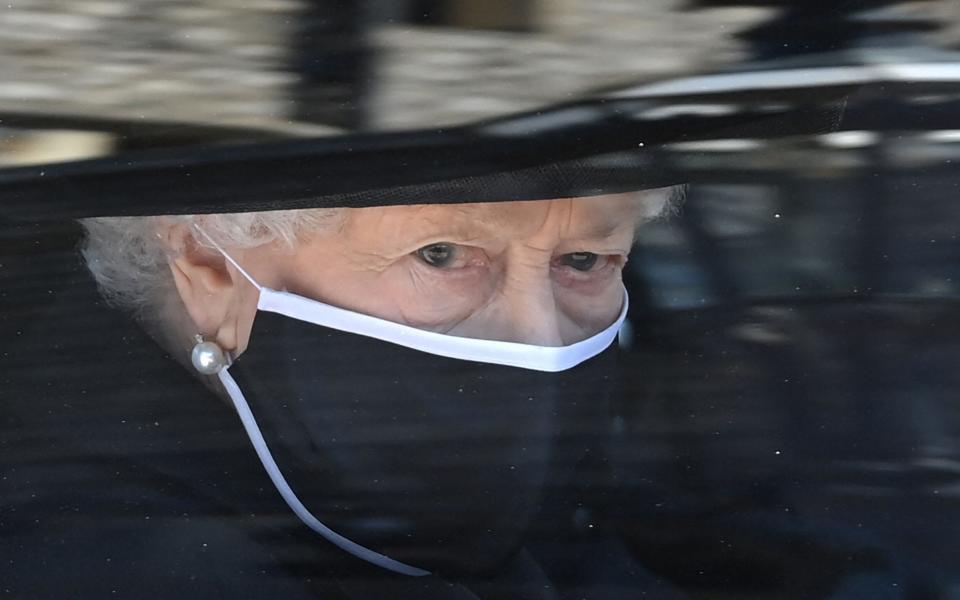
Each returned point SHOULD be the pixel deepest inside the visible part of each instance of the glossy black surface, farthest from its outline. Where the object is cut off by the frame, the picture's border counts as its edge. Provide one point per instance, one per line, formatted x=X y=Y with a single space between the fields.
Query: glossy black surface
x=783 y=421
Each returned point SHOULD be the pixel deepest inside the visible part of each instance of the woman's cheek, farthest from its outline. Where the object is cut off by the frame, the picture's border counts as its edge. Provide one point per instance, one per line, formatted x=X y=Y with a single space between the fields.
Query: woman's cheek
x=436 y=299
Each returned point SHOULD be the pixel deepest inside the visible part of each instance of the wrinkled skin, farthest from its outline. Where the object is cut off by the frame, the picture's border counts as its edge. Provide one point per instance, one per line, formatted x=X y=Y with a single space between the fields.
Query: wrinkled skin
x=542 y=272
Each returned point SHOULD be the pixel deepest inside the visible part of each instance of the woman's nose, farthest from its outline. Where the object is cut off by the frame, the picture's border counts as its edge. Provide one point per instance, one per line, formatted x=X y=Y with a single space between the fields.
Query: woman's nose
x=522 y=314
x=530 y=313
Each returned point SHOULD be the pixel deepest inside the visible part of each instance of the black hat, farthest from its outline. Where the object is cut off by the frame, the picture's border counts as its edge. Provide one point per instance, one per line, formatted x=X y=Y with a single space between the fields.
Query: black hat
x=625 y=137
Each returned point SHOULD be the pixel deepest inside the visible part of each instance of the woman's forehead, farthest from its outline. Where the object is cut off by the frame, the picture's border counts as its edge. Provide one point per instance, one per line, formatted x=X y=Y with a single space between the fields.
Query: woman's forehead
x=576 y=217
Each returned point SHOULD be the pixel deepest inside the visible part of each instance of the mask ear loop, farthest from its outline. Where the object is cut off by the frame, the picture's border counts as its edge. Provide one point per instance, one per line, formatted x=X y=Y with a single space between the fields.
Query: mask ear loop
x=228 y=258
x=273 y=470
x=290 y=497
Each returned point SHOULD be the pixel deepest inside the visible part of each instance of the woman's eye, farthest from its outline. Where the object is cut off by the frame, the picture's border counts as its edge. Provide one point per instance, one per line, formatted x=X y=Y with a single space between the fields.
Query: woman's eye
x=438 y=255
x=581 y=261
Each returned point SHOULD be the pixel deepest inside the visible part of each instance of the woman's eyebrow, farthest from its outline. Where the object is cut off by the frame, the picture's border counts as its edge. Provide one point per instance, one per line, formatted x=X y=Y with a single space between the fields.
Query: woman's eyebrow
x=602 y=230
x=458 y=229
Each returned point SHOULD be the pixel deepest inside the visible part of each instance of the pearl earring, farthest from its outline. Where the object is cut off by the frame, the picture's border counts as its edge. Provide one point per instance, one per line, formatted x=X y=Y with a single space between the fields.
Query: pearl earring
x=208 y=357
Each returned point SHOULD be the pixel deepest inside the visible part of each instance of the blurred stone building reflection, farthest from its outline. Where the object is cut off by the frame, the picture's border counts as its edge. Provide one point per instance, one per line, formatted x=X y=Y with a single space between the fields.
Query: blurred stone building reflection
x=138 y=73
x=481 y=64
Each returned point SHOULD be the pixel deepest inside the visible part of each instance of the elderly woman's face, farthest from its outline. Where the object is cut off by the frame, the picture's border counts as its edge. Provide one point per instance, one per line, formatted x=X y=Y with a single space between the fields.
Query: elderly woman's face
x=543 y=272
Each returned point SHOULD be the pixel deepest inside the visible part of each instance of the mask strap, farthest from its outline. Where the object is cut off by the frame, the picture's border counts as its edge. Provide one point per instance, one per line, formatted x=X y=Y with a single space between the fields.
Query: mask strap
x=229 y=258
x=280 y=482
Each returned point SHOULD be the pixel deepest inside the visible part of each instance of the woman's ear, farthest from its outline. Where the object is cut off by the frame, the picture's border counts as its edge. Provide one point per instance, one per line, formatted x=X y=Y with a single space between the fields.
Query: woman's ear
x=209 y=287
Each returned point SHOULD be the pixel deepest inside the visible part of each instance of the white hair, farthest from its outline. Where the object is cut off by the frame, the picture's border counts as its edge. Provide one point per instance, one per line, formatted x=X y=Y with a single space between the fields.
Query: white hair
x=130 y=261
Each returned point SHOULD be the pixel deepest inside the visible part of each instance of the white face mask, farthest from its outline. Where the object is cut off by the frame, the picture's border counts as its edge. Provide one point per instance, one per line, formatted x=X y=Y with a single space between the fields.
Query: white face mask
x=550 y=359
